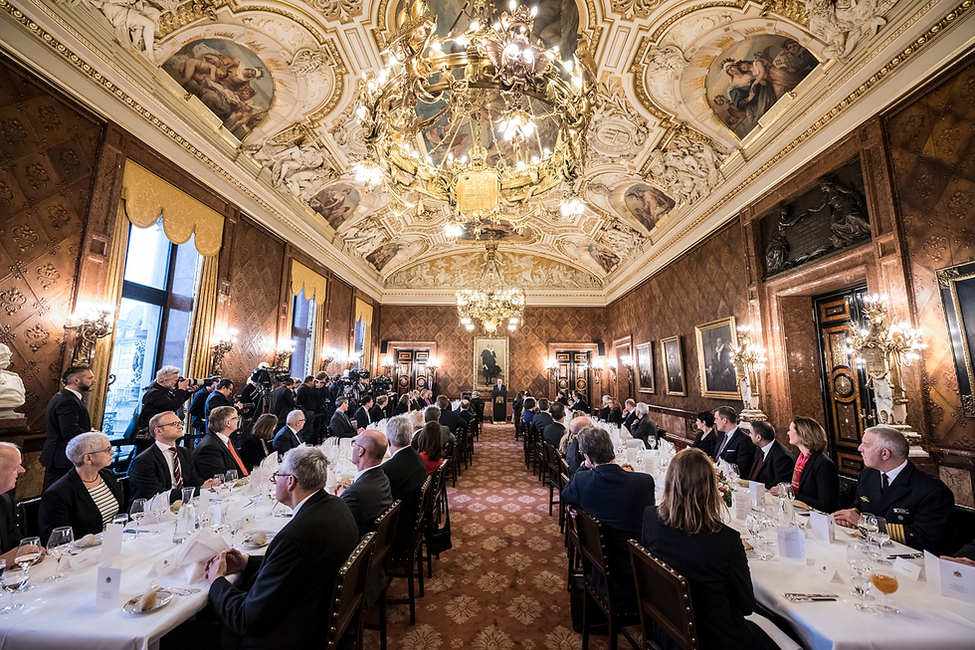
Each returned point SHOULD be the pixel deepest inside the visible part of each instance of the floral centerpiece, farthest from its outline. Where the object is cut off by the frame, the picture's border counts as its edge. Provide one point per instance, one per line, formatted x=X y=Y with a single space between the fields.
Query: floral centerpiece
x=724 y=485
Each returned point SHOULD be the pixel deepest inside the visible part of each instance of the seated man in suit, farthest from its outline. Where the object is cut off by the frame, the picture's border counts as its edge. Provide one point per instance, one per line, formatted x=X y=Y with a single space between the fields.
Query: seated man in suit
x=432 y=414
x=615 y=497
x=917 y=507
x=735 y=446
x=378 y=410
x=607 y=406
x=449 y=418
x=289 y=436
x=340 y=424
x=406 y=473
x=553 y=433
x=215 y=454
x=279 y=600
x=362 y=414
x=164 y=466
x=466 y=413
x=11 y=467
x=643 y=427
x=369 y=495
x=629 y=414
x=773 y=463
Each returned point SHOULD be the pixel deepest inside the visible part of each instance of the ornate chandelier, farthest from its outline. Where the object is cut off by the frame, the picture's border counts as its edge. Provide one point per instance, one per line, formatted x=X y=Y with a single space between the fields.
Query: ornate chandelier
x=490 y=301
x=485 y=118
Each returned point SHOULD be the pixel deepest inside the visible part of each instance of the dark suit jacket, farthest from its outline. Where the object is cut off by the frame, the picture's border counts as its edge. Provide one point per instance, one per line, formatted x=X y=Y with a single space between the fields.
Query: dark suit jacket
x=629 y=420
x=540 y=420
x=603 y=413
x=341 y=426
x=617 y=498
x=9 y=531
x=451 y=420
x=716 y=571
x=308 y=398
x=158 y=399
x=282 y=595
x=376 y=413
x=777 y=467
x=252 y=450
x=708 y=445
x=615 y=417
x=573 y=458
x=216 y=400
x=368 y=497
x=819 y=485
x=285 y=439
x=739 y=450
x=362 y=417
x=968 y=550
x=553 y=434
x=406 y=473
x=282 y=402
x=581 y=405
x=401 y=409
x=67 y=417
x=211 y=457
x=149 y=473
x=67 y=503
x=917 y=507
x=646 y=430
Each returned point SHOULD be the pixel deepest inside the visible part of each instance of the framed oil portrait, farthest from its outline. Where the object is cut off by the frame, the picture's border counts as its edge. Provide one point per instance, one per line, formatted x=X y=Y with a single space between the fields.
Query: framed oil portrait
x=715 y=358
x=490 y=362
x=362 y=334
x=673 y=359
x=644 y=368
x=957 y=285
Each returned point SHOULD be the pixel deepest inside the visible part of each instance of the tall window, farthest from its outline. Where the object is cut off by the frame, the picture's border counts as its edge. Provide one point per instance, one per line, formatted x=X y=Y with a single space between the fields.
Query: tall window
x=303 y=314
x=158 y=292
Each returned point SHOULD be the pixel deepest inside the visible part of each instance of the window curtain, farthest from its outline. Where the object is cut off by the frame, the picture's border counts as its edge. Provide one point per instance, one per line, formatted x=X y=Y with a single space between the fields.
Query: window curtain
x=315 y=287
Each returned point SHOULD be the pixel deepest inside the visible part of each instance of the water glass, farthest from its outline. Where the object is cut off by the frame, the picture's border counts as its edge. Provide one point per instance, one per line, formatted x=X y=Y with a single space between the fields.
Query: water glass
x=188 y=494
x=57 y=544
x=868 y=525
x=861 y=589
x=11 y=581
x=137 y=511
x=185 y=523
x=733 y=475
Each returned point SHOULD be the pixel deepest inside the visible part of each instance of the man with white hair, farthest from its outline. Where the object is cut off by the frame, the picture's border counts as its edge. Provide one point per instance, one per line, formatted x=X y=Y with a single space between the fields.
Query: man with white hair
x=278 y=602
x=917 y=507
x=167 y=393
x=288 y=437
x=406 y=473
x=643 y=427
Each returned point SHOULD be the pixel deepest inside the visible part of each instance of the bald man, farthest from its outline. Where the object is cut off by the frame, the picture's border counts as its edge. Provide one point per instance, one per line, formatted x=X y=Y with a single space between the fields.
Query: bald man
x=369 y=495
x=572 y=455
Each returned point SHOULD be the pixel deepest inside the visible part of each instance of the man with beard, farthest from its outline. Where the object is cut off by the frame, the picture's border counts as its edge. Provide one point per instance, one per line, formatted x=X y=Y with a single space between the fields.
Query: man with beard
x=67 y=417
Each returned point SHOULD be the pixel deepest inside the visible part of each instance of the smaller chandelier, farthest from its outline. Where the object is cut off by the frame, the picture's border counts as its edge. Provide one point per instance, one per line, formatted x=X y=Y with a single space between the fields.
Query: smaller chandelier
x=490 y=301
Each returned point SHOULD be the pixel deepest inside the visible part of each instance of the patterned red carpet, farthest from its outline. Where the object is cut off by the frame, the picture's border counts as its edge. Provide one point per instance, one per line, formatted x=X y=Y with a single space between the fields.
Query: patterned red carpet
x=502 y=586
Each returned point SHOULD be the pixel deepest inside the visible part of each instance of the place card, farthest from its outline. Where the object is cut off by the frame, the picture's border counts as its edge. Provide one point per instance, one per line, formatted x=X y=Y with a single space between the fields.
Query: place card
x=107 y=589
x=791 y=542
x=958 y=581
x=932 y=571
x=823 y=526
x=166 y=565
x=757 y=492
x=79 y=561
x=111 y=543
x=246 y=522
x=905 y=567
x=741 y=505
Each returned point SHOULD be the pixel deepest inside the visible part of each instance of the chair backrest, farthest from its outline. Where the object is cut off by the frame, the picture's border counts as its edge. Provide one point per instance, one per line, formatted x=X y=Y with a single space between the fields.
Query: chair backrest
x=27 y=516
x=592 y=542
x=552 y=458
x=349 y=591
x=422 y=507
x=385 y=533
x=664 y=597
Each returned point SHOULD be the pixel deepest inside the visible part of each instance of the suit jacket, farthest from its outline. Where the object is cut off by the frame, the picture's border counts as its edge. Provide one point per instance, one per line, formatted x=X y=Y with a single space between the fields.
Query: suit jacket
x=281 y=596
x=149 y=473
x=451 y=420
x=252 y=450
x=362 y=417
x=376 y=413
x=368 y=497
x=158 y=399
x=581 y=405
x=708 y=445
x=67 y=417
x=198 y=410
x=282 y=402
x=968 y=550
x=308 y=398
x=776 y=468
x=341 y=426
x=617 y=498
x=716 y=571
x=739 y=450
x=215 y=400
x=917 y=507
x=406 y=474
x=646 y=430
x=553 y=434
x=603 y=413
x=629 y=420
x=819 y=484
x=541 y=420
x=67 y=503
x=211 y=457
x=573 y=458
x=9 y=531
x=615 y=417
x=401 y=409
x=285 y=439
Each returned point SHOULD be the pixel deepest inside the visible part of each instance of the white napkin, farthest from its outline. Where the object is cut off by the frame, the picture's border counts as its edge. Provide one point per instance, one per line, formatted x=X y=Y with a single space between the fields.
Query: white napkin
x=270 y=464
x=162 y=500
x=196 y=550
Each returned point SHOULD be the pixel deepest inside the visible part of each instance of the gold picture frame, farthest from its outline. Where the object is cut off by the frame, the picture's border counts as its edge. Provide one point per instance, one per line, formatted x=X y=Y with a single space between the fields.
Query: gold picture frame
x=484 y=379
x=643 y=367
x=673 y=360
x=715 y=358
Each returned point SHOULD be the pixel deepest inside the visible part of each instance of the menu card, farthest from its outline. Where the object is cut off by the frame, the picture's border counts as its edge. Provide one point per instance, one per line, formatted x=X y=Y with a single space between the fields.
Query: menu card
x=111 y=542
x=791 y=542
x=823 y=526
x=757 y=491
x=951 y=579
x=109 y=583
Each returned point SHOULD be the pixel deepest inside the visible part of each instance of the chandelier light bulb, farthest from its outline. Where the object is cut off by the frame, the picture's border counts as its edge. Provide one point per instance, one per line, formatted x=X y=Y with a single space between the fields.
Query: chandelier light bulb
x=475 y=26
x=512 y=5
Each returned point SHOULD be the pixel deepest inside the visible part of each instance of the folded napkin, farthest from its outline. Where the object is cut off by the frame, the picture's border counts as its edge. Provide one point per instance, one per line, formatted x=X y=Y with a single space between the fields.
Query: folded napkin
x=197 y=550
x=270 y=464
x=160 y=501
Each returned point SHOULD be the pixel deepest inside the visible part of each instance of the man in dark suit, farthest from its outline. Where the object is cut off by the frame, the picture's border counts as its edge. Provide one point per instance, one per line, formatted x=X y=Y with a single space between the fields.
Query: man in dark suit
x=164 y=466
x=579 y=403
x=340 y=425
x=773 y=463
x=615 y=497
x=198 y=409
x=499 y=396
x=220 y=396
x=607 y=406
x=629 y=414
x=448 y=417
x=362 y=417
x=643 y=427
x=467 y=413
x=368 y=496
x=278 y=602
x=67 y=417
x=553 y=433
x=283 y=400
x=406 y=473
x=735 y=446
x=542 y=417
x=379 y=411
x=309 y=399
x=11 y=466
x=215 y=454
x=917 y=507
x=289 y=436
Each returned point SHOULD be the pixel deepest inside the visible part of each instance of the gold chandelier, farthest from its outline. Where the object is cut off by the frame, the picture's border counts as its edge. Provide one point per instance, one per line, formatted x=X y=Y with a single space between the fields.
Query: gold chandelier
x=490 y=301
x=485 y=118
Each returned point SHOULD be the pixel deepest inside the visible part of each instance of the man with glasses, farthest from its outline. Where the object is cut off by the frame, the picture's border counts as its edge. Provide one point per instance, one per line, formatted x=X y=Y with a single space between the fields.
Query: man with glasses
x=216 y=454
x=164 y=466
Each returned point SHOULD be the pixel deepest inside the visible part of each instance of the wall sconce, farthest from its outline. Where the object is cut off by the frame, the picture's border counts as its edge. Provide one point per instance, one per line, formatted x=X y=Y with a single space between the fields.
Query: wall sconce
x=282 y=357
x=611 y=364
x=597 y=366
x=553 y=370
x=627 y=362
x=222 y=342
x=749 y=360
x=433 y=363
x=388 y=364
x=328 y=356
x=883 y=348
x=90 y=322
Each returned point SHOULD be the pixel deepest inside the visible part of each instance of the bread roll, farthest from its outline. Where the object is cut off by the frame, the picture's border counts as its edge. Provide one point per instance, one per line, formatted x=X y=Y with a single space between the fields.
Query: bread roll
x=256 y=539
x=87 y=540
x=148 y=600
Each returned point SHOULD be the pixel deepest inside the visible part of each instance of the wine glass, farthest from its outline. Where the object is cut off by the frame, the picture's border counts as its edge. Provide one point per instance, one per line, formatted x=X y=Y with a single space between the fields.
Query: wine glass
x=137 y=511
x=57 y=544
x=733 y=475
x=231 y=476
x=868 y=525
x=886 y=583
x=28 y=554
x=882 y=537
x=234 y=526
x=158 y=507
x=11 y=582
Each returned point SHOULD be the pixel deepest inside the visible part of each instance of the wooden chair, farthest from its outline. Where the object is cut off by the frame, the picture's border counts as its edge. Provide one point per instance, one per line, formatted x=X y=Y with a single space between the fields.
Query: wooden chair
x=437 y=515
x=592 y=543
x=664 y=598
x=552 y=471
x=348 y=596
x=408 y=563
x=379 y=569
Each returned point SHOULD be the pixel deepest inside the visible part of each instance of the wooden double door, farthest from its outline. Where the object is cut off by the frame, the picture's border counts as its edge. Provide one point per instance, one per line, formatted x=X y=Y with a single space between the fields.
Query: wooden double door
x=411 y=371
x=574 y=372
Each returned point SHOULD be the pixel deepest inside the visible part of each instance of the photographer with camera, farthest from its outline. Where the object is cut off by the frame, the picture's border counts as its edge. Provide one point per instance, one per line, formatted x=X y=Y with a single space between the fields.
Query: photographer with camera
x=168 y=393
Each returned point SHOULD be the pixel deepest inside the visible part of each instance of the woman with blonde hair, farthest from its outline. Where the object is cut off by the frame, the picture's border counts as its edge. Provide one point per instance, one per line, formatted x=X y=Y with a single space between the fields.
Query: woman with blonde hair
x=815 y=481
x=615 y=412
x=687 y=531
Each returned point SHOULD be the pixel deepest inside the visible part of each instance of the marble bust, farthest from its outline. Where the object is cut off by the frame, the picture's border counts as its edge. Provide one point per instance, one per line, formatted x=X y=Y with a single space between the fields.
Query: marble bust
x=11 y=387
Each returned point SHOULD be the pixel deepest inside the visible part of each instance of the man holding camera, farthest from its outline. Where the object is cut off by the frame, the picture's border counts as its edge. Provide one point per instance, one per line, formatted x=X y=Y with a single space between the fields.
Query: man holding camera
x=168 y=393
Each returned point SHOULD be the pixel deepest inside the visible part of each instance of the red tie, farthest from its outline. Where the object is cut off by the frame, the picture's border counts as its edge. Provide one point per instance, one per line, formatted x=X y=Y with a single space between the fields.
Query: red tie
x=177 y=474
x=233 y=452
x=758 y=465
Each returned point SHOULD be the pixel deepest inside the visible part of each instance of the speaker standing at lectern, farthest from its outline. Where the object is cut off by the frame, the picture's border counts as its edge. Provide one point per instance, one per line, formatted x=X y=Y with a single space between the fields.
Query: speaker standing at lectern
x=500 y=395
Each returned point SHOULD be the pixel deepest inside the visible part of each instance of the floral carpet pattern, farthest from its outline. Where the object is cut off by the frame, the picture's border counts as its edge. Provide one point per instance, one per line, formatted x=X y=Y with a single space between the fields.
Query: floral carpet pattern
x=503 y=584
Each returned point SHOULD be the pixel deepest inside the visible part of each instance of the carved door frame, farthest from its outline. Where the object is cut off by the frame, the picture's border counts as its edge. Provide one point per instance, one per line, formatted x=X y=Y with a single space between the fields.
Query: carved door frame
x=393 y=350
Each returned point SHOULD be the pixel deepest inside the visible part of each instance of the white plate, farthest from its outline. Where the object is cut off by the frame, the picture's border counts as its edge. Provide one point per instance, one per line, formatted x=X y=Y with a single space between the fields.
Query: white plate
x=78 y=545
x=162 y=599
x=251 y=545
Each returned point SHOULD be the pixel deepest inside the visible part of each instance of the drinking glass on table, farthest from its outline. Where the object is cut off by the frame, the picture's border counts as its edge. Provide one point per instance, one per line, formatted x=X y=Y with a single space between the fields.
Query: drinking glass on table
x=137 y=511
x=868 y=525
x=733 y=475
x=188 y=494
x=882 y=537
x=28 y=554
x=11 y=581
x=886 y=583
x=57 y=545
x=158 y=507
x=231 y=476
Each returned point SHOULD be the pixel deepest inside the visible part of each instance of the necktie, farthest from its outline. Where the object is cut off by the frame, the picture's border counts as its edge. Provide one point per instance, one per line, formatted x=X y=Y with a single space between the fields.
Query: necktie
x=240 y=464
x=724 y=439
x=177 y=474
x=758 y=465
x=884 y=483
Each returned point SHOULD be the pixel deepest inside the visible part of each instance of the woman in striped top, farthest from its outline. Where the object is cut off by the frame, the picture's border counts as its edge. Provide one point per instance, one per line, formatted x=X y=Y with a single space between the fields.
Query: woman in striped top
x=87 y=498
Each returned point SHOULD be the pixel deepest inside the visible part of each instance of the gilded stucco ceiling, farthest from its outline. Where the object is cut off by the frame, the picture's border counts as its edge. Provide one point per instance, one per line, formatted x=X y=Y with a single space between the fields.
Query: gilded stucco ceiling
x=683 y=90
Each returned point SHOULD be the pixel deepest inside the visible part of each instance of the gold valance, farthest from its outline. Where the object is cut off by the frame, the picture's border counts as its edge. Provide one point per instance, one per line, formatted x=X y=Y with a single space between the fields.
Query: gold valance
x=313 y=283
x=147 y=197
